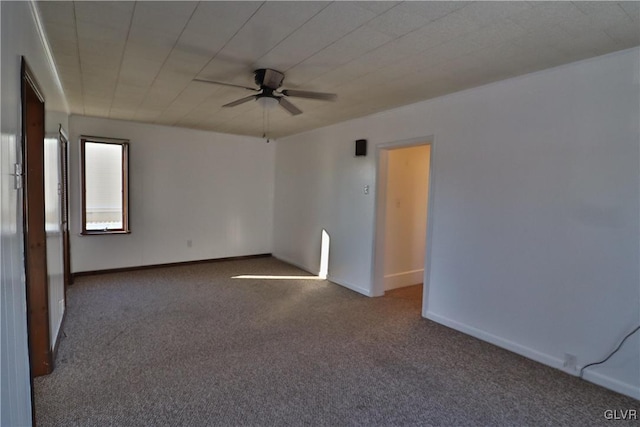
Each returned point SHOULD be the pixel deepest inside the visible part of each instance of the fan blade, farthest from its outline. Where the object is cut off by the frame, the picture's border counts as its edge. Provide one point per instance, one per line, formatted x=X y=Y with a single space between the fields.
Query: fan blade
x=289 y=107
x=226 y=84
x=240 y=101
x=310 y=95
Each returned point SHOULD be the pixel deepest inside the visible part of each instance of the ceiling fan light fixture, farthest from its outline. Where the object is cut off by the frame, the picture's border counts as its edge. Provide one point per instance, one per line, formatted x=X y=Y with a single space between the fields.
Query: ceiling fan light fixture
x=267 y=102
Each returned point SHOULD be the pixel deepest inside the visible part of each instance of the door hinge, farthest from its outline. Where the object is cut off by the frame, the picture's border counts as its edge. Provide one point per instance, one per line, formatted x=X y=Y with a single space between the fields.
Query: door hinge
x=17 y=169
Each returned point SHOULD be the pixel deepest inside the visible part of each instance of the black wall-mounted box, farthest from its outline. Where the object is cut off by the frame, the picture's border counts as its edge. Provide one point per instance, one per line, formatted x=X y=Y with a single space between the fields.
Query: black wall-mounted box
x=361 y=147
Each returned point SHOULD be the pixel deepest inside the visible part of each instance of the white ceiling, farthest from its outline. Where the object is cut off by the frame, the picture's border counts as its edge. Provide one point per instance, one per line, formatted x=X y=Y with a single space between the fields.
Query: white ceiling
x=136 y=60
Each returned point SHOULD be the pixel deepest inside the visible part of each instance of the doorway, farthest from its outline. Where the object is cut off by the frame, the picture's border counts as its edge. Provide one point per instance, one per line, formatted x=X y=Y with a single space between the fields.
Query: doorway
x=64 y=208
x=402 y=233
x=35 y=239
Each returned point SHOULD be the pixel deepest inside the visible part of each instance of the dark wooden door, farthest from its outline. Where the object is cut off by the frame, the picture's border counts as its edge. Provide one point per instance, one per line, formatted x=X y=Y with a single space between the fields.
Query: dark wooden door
x=35 y=238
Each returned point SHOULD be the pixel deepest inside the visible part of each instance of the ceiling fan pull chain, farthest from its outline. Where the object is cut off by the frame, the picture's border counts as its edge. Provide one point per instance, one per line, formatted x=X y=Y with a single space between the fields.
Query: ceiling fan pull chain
x=264 y=124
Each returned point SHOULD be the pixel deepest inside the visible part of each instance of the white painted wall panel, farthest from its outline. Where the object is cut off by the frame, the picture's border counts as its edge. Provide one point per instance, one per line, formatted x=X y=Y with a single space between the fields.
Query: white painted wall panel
x=535 y=210
x=318 y=183
x=213 y=189
x=19 y=38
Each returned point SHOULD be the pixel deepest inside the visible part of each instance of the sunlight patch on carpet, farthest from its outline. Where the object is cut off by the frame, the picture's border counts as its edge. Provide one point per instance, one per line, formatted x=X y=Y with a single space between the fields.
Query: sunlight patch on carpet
x=270 y=277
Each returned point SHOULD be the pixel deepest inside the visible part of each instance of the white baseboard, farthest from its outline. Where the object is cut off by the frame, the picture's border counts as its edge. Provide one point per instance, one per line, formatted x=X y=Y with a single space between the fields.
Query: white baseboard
x=294 y=263
x=330 y=278
x=402 y=279
x=355 y=288
x=545 y=359
x=612 y=384
x=56 y=334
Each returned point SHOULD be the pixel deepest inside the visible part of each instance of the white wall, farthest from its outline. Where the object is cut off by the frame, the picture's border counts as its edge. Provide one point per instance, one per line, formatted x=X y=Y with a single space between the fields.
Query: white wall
x=406 y=216
x=19 y=36
x=535 y=210
x=213 y=189
x=318 y=183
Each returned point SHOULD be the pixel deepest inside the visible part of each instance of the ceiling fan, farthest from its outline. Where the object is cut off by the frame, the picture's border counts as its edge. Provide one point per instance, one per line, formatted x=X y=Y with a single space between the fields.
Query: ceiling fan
x=270 y=93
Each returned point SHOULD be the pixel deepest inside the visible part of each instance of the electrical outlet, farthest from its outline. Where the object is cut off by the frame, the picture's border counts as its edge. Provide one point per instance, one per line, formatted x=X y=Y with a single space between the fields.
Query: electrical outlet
x=189 y=243
x=570 y=362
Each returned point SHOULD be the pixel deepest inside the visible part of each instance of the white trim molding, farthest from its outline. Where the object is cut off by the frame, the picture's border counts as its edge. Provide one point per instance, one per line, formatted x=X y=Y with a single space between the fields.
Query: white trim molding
x=403 y=279
x=529 y=353
x=47 y=52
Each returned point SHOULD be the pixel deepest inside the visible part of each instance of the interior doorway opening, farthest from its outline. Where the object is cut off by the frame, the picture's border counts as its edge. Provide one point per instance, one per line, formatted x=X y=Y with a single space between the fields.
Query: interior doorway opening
x=401 y=250
x=324 y=255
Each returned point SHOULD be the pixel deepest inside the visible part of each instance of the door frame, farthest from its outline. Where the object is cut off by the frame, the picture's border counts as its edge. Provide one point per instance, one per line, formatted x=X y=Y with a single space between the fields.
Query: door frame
x=382 y=159
x=35 y=239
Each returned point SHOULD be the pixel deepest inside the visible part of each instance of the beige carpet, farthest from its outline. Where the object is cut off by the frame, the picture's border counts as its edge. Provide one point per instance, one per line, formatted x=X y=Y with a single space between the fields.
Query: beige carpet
x=193 y=346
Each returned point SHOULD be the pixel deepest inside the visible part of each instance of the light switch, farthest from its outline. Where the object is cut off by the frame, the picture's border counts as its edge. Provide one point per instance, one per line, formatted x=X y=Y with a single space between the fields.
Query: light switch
x=366 y=189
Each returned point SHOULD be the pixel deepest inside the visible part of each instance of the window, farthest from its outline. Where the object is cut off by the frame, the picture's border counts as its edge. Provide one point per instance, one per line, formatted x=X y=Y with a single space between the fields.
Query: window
x=104 y=185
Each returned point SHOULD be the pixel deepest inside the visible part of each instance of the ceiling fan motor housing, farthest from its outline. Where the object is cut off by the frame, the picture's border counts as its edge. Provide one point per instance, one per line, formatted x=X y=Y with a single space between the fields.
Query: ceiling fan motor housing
x=266 y=77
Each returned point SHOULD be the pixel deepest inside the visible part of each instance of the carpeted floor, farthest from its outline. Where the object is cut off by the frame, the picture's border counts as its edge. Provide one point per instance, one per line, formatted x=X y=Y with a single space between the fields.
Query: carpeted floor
x=192 y=346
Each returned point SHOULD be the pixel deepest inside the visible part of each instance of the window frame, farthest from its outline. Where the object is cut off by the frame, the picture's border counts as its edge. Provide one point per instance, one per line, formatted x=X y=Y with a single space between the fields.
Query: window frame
x=124 y=143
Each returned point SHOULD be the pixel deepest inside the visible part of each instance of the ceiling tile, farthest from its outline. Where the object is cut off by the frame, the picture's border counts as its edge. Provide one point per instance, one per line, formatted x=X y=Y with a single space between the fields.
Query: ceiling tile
x=98 y=48
x=230 y=71
x=57 y=12
x=632 y=8
x=596 y=42
x=95 y=58
x=147 y=51
x=601 y=9
x=94 y=93
x=184 y=63
x=89 y=32
x=64 y=48
x=378 y=7
x=146 y=115
x=626 y=35
x=431 y=10
x=105 y=13
x=171 y=79
x=212 y=26
x=121 y=113
x=498 y=32
x=444 y=29
x=95 y=111
x=346 y=49
x=484 y=13
x=135 y=79
x=167 y=16
x=326 y=27
x=597 y=16
x=108 y=68
x=271 y=24
x=61 y=33
x=131 y=101
x=152 y=37
x=380 y=57
x=548 y=14
x=397 y=22
x=541 y=37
